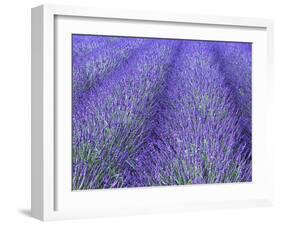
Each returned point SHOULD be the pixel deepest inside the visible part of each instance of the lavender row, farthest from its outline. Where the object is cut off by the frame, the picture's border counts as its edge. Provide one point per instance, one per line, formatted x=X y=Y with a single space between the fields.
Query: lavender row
x=236 y=66
x=201 y=129
x=109 y=136
x=83 y=45
x=90 y=69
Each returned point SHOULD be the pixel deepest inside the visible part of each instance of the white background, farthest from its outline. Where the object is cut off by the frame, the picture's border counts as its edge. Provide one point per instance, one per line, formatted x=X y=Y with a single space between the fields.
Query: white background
x=109 y=202
x=15 y=112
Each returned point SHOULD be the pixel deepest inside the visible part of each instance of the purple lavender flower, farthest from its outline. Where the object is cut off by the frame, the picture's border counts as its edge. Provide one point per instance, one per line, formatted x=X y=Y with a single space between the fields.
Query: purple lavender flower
x=150 y=112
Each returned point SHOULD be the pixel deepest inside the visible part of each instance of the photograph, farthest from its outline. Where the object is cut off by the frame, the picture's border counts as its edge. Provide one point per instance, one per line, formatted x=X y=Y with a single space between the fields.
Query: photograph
x=160 y=112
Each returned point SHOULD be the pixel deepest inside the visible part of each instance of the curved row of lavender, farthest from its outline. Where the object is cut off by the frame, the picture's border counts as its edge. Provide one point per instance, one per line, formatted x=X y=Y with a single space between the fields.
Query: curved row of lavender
x=150 y=112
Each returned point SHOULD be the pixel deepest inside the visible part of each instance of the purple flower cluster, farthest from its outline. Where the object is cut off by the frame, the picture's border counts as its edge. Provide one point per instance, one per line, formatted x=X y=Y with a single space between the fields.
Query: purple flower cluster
x=150 y=112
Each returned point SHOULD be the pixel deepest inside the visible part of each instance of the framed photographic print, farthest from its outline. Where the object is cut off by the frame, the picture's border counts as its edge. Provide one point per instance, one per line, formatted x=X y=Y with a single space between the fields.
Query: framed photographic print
x=141 y=112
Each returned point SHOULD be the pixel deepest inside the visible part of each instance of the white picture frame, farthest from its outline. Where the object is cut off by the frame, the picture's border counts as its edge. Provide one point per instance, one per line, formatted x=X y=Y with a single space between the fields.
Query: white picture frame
x=51 y=195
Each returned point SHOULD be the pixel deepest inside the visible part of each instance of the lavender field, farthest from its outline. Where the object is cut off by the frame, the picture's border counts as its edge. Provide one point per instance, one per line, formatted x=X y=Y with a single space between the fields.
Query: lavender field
x=157 y=112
